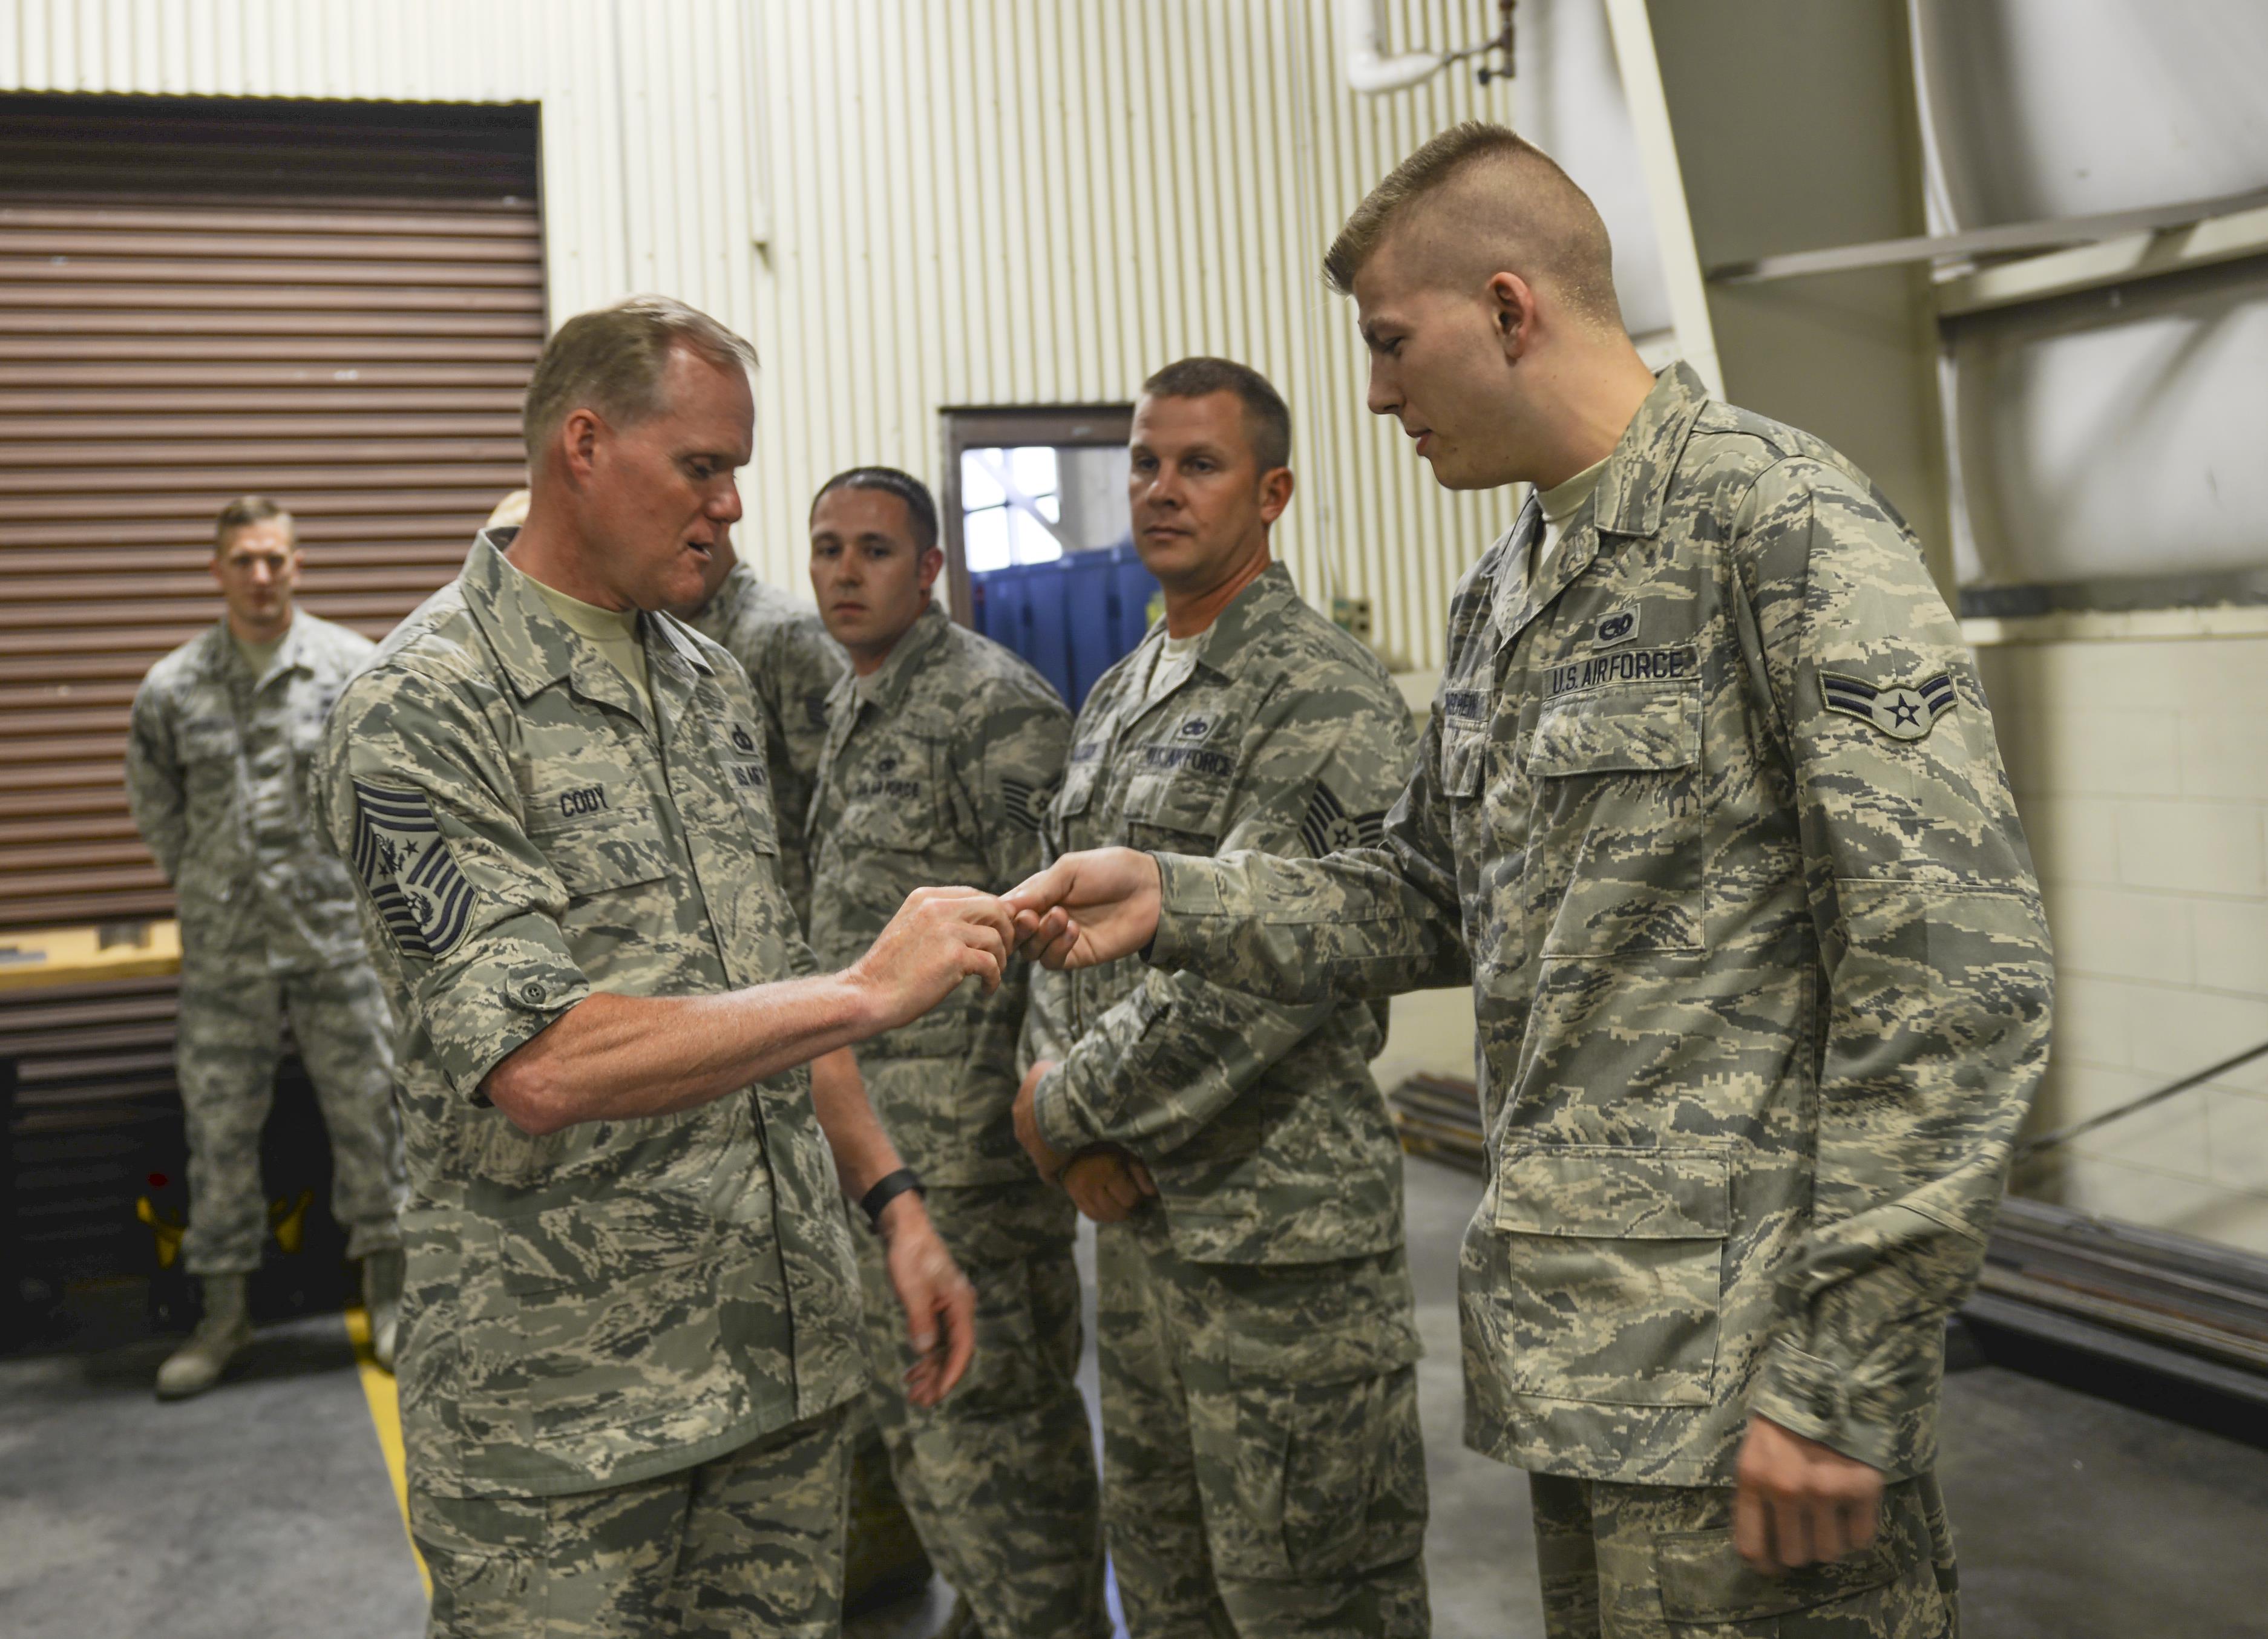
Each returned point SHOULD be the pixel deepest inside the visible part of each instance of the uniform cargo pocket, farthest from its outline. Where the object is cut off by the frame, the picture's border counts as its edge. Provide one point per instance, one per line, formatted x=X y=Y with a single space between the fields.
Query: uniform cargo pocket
x=1612 y=1271
x=1890 y=1587
x=1614 y=861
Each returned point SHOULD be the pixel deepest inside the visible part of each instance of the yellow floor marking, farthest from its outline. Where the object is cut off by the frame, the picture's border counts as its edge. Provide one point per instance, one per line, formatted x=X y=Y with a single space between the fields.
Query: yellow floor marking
x=386 y=1417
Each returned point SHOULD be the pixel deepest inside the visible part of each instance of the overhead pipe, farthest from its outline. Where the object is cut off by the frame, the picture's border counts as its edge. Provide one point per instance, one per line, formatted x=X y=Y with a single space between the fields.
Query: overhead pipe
x=1368 y=68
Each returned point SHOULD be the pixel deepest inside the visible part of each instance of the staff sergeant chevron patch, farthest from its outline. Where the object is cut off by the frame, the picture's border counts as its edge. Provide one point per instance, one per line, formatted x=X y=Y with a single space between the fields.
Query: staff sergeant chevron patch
x=1899 y=711
x=1328 y=827
x=419 y=893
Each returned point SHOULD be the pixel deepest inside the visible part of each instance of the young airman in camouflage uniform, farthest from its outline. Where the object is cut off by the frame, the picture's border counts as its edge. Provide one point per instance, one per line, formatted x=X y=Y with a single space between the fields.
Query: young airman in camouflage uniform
x=631 y=1319
x=791 y=663
x=224 y=728
x=1263 y=1469
x=1710 y=814
x=941 y=752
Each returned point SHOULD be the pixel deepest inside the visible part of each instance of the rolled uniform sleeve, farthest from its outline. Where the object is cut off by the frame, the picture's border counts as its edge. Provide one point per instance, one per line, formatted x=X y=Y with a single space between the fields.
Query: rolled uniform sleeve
x=1933 y=947
x=414 y=763
x=1178 y=1050
x=154 y=787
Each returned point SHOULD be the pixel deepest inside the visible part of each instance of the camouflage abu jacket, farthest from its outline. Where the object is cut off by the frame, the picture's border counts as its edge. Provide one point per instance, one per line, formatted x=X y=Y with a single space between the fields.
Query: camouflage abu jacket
x=216 y=771
x=618 y=1299
x=936 y=771
x=1268 y=1140
x=792 y=665
x=1714 y=820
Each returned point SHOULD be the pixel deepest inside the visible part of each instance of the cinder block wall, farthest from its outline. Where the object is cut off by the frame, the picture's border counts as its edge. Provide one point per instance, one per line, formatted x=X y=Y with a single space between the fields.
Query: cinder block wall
x=2139 y=760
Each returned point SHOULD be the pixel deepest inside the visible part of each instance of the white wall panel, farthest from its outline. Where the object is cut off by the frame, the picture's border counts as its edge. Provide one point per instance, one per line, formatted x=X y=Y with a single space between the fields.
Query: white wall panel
x=911 y=204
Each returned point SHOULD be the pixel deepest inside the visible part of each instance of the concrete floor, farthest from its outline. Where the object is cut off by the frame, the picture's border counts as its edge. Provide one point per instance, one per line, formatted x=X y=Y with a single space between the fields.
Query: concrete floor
x=263 y=1508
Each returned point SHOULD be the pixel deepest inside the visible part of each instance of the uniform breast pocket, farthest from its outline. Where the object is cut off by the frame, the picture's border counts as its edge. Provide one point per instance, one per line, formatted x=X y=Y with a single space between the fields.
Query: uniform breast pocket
x=1182 y=811
x=1614 y=856
x=1609 y=1272
x=599 y=851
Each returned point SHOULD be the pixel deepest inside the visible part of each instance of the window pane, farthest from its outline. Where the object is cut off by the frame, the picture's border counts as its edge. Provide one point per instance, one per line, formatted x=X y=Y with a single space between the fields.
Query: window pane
x=1034 y=468
x=1034 y=544
x=977 y=486
x=986 y=536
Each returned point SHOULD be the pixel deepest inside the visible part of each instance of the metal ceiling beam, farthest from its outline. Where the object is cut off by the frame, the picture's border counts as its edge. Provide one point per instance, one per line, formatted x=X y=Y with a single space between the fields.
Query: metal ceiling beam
x=2015 y=236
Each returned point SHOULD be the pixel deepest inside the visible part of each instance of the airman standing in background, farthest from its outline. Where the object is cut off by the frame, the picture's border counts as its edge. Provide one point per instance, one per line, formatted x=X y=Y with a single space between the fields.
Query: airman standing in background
x=942 y=750
x=224 y=731
x=1264 y=1470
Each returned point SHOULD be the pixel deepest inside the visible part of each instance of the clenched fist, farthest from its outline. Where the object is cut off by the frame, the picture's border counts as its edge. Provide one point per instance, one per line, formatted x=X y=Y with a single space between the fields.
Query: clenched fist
x=939 y=937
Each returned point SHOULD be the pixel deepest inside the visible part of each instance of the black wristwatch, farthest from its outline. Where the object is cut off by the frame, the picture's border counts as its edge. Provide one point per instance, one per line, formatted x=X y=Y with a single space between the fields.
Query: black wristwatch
x=892 y=1186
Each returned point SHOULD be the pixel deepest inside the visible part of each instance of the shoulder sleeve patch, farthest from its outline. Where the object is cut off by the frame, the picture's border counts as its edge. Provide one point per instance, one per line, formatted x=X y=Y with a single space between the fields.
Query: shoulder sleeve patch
x=1901 y=710
x=1327 y=827
x=1027 y=804
x=405 y=864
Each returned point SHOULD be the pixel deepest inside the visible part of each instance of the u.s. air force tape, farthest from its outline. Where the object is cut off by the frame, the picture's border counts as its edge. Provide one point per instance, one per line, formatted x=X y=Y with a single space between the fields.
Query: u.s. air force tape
x=1901 y=710
x=420 y=895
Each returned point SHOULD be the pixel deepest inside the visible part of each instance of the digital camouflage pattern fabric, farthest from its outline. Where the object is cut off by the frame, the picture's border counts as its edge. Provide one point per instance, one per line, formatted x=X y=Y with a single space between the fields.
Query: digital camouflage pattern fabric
x=936 y=770
x=749 y=1542
x=1266 y=1469
x=1255 y=1324
x=792 y=665
x=1268 y=1140
x=616 y=1300
x=1641 y=1562
x=1763 y=986
x=999 y=1478
x=218 y=768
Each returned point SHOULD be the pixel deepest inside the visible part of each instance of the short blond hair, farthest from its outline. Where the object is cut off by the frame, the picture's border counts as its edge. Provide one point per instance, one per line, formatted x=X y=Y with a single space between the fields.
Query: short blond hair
x=1501 y=197
x=612 y=360
x=244 y=512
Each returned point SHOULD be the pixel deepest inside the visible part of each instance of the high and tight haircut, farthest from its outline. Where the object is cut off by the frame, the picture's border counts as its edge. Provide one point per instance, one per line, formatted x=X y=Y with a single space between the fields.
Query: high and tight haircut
x=612 y=360
x=1267 y=418
x=921 y=506
x=1558 y=231
x=244 y=512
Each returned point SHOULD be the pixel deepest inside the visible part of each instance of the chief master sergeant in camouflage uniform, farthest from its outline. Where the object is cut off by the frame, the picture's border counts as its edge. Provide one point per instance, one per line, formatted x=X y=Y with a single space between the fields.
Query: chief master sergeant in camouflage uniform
x=792 y=665
x=216 y=769
x=1264 y=1472
x=941 y=752
x=630 y=1323
x=1710 y=812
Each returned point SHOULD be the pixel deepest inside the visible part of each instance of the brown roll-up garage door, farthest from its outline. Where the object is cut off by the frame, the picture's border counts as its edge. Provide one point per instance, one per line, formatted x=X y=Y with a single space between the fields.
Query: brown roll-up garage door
x=334 y=305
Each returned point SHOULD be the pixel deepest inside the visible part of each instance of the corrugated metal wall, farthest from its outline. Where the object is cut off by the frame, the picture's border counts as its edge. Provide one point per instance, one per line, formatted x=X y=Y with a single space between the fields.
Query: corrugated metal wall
x=915 y=204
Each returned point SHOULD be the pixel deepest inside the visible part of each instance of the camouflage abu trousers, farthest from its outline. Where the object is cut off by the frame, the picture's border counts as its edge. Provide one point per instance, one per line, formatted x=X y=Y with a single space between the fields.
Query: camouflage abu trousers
x=999 y=1478
x=226 y=1047
x=747 y=1543
x=1641 y=1562
x=1264 y=1472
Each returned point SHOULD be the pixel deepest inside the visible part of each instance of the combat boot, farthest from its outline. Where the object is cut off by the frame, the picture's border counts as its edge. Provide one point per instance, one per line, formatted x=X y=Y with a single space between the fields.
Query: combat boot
x=196 y=1366
x=381 y=1300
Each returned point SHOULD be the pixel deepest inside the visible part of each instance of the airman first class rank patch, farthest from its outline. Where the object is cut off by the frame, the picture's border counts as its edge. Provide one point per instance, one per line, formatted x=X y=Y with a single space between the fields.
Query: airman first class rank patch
x=1899 y=711
x=420 y=895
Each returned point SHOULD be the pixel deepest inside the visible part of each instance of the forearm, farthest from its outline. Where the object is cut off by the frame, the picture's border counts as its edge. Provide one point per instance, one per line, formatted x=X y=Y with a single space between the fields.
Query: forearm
x=1918 y=1112
x=863 y=1154
x=1164 y=1063
x=619 y=1057
x=1351 y=926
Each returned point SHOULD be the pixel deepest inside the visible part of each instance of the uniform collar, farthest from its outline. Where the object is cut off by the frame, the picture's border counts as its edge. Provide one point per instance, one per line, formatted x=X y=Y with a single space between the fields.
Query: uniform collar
x=1627 y=502
x=1258 y=606
x=885 y=688
x=535 y=647
x=223 y=656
